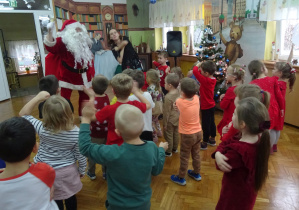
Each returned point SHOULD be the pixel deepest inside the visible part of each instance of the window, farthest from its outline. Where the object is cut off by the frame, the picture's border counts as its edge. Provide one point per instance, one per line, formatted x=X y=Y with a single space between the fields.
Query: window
x=164 y=31
x=286 y=29
x=197 y=33
x=22 y=52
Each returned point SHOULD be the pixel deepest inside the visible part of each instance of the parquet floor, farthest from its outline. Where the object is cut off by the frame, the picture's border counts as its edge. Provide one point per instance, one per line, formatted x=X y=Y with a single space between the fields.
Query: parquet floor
x=281 y=190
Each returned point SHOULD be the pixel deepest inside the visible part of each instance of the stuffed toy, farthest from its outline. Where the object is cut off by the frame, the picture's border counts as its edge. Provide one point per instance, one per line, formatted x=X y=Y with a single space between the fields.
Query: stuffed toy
x=233 y=50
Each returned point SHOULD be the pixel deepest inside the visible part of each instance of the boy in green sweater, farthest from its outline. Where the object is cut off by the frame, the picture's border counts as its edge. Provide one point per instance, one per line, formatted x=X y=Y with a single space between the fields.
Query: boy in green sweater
x=130 y=165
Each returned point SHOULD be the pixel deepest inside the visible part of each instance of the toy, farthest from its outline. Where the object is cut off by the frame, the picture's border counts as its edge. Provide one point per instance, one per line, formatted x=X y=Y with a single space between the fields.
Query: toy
x=233 y=50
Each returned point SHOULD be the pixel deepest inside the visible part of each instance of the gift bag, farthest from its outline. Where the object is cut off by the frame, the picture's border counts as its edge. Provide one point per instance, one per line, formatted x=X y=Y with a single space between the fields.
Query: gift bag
x=158 y=109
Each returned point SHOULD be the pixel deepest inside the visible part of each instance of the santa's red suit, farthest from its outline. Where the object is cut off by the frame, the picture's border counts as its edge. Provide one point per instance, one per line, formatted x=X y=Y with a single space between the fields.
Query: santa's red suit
x=72 y=71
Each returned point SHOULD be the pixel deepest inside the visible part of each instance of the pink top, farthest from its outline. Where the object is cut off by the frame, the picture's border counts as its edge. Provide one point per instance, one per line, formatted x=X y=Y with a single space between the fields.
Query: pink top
x=189 y=120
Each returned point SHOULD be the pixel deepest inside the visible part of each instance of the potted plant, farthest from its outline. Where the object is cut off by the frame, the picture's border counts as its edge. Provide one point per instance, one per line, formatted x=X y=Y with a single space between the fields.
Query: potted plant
x=27 y=70
x=36 y=58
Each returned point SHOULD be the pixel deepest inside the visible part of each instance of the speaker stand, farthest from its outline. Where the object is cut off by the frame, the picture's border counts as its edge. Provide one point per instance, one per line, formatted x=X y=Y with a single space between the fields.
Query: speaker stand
x=175 y=61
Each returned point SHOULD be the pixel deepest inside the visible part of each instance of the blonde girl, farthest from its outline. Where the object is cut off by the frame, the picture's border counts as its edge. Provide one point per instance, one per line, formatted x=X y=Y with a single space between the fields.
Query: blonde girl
x=58 y=146
x=153 y=80
x=270 y=84
x=244 y=161
x=234 y=76
x=286 y=73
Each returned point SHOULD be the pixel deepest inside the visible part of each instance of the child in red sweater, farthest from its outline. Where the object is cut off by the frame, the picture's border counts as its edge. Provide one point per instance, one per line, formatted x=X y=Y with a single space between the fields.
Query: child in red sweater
x=276 y=110
x=285 y=73
x=244 y=161
x=203 y=72
x=163 y=69
x=241 y=92
x=122 y=86
x=234 y=76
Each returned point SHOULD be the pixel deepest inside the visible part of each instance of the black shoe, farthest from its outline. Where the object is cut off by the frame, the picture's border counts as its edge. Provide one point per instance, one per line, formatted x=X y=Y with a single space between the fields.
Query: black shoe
x=160 y=117
x=168 y=154
x=212 y=142
x=203 y=145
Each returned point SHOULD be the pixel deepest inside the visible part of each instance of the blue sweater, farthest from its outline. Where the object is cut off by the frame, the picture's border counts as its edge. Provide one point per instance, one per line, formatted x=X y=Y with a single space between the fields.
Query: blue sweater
x=129 y=169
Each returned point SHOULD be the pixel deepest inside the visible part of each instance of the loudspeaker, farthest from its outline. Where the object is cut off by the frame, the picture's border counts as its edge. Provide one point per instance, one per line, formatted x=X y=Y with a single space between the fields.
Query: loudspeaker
x=174 y=43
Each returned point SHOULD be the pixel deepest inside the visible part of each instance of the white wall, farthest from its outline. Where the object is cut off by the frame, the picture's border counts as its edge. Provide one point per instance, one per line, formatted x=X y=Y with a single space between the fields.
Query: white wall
x=105 y=2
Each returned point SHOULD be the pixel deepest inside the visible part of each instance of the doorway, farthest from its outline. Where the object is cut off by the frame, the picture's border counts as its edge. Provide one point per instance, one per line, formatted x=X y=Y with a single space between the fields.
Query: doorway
x=21 y=54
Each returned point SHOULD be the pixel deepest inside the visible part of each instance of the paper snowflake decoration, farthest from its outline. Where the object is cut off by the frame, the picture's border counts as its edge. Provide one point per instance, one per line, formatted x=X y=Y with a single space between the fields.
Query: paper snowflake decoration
x=29 y=6
x=29 y=1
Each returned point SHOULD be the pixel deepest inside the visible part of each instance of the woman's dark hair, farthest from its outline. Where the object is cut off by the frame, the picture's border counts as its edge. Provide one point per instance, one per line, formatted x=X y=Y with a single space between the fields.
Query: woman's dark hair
x=110 y=41
x=254 y=114
x=287 y=73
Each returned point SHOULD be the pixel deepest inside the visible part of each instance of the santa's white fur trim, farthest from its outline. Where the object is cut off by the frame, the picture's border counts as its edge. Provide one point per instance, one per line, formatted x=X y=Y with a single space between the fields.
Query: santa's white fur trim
x=67 y=85
x=49 y=43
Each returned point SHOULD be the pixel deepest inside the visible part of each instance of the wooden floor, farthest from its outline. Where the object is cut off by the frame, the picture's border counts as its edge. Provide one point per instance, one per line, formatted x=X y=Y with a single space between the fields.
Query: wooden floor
x=280 y=192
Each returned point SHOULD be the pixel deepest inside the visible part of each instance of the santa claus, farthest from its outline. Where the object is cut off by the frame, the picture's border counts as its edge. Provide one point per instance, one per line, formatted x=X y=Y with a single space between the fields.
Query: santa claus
x=70 y=58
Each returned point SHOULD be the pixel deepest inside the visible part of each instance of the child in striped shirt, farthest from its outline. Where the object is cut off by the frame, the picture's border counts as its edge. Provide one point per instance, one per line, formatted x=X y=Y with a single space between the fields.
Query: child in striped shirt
x=58 y=146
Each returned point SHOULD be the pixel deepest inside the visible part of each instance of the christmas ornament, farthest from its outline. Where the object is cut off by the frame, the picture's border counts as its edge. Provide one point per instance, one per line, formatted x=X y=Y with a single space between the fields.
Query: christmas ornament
x=221 y=18
x=13 y=3
x=153 y=1
x=235 y=17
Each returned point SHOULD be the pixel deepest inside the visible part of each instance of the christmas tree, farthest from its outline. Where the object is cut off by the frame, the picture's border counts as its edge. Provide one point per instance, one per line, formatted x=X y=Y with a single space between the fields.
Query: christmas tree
x=209 y=50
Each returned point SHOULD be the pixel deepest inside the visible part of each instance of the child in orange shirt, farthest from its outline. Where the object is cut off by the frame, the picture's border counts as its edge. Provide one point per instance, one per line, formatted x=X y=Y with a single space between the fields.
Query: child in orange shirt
x=190 y=130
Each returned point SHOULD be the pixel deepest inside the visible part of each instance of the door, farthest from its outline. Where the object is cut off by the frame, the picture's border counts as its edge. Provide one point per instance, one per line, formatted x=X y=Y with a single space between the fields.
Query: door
x=4 y=90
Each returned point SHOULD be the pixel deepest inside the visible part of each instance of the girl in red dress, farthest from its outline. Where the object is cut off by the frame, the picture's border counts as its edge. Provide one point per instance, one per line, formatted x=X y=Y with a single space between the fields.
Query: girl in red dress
x=244 y=161
x=285 y=73
x=235 y=77
x=241 y=92
x=270 y=84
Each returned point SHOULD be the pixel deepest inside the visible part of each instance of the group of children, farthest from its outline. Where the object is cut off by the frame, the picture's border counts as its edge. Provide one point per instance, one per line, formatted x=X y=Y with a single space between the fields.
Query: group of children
x=120 y=136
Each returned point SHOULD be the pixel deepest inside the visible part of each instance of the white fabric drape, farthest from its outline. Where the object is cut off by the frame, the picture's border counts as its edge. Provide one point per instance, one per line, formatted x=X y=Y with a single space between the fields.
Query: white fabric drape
x=175 y=13
x=22 y=49
x=273 y=10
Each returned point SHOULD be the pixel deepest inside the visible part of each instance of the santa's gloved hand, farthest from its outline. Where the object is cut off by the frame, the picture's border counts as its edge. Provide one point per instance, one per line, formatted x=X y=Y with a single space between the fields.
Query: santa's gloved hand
x=50 y=27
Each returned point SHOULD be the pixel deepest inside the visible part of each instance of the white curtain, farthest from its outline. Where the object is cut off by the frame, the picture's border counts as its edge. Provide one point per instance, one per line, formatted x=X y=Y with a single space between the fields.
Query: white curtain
x=22 y=53
x=273 y=10
x=175 y=13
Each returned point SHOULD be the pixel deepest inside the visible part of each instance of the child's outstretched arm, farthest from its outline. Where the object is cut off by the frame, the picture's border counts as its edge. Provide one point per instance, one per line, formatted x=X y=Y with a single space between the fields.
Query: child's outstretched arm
x=158 y=167
x=137 y=93
x=91 y=95
x=27 y=109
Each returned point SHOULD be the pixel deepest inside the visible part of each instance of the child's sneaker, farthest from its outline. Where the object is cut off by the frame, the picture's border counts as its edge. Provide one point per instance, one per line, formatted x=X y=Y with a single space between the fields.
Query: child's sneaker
x=203 y=145
x=175 y=151
x=91 y=176
x=274 y=148
x=212 y=142
x=178 y=180
x=104 y=176
x=168 y=154
x=195 y=176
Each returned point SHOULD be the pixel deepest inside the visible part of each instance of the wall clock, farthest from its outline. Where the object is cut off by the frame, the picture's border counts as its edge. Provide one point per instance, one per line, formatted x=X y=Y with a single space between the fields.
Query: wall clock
x=108 y=16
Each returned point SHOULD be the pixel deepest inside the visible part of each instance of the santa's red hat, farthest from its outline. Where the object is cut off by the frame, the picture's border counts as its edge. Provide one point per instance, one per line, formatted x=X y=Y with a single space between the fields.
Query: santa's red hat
x=67 y=22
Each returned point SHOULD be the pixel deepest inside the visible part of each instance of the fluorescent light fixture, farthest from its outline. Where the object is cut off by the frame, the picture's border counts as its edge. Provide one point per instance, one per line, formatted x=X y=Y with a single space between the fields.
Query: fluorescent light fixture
x=6 y=8
x=4 y=2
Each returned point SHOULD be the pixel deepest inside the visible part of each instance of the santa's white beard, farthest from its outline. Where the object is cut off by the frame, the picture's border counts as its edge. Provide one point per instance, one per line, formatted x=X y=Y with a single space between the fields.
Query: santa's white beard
x=78 y=43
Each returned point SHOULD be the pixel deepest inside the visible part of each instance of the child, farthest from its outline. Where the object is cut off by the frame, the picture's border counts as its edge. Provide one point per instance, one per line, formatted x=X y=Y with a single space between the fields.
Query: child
x=190 y=130
x=122 y=86
x=147 y=133
x=50 y=84
x=98 y=130
x=58 y=146
x=234 y=76
x=276 y=110
x=178 y=71
x=163 y=69
x=127 y=72
x=241 y=92
x=247 y=158
x=171 y=116
x=129 y=166
x=23 y=185
x=153 y=80
x=204 y=74
x=285 y=73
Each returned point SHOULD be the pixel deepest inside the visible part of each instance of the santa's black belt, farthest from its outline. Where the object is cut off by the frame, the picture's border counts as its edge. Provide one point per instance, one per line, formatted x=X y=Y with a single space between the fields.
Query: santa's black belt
x=78 y=71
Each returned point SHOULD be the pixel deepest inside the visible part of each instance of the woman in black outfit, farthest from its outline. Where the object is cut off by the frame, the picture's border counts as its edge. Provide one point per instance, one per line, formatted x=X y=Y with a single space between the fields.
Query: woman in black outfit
x=123 y=51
